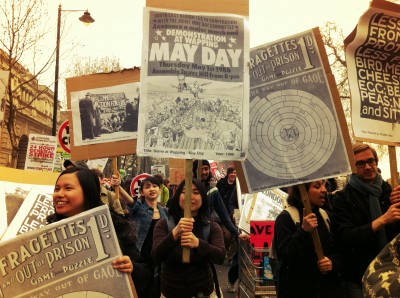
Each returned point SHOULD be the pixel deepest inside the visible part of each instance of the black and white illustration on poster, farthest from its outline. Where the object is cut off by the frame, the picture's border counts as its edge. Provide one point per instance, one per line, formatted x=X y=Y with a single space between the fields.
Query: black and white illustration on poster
x=194 y=86
x=373 y=64
x=69 y=258
x=12 y=196
x=105 y=114
x=294 y=129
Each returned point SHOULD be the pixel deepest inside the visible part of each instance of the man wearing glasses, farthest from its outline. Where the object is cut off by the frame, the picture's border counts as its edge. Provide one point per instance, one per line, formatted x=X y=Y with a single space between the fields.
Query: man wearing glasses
x=366 y=214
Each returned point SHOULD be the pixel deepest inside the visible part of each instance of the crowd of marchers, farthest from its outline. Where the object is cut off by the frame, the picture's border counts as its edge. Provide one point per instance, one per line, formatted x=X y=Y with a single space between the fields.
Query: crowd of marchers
x=358 y=227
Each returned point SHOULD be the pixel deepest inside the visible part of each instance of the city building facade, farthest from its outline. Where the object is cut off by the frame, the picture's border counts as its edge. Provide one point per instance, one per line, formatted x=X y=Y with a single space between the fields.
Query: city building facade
x=33 y=113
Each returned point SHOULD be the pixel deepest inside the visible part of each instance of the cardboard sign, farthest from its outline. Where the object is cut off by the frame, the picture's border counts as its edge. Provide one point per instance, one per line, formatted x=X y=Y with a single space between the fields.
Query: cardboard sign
x=201 y=93
x=115 y=140
x=372 y=58
x=31 y=215
x=261 y=206
x=261 y=233
x=298 y=131
x=72 y=257
x=158 y=169
x=41 y=153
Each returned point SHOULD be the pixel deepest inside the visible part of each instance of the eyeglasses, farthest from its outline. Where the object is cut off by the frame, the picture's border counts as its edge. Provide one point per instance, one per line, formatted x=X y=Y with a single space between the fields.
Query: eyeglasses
x=361 y=163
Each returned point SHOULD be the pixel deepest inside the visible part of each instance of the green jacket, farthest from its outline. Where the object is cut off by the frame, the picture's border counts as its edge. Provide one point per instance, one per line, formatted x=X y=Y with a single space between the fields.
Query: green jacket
x=164 y=195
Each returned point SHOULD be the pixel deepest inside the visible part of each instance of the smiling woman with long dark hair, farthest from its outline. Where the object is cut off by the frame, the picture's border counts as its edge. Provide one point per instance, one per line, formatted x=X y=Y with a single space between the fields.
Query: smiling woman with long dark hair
x=78 y=190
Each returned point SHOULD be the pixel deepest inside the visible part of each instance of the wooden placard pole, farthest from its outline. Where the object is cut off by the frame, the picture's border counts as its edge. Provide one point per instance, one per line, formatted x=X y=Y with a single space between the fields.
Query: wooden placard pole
x=253 y=203
x=394 y=174
x=314 y=233
x=116 y=173
x=187 y=213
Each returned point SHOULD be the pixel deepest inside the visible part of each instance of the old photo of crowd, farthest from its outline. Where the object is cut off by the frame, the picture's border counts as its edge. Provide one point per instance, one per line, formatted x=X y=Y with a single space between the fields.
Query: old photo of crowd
x=105 y=114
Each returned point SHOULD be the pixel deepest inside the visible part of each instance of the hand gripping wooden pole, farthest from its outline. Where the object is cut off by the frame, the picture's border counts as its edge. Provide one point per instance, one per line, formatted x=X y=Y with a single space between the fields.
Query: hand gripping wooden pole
x=314 y=233
x=187 y=213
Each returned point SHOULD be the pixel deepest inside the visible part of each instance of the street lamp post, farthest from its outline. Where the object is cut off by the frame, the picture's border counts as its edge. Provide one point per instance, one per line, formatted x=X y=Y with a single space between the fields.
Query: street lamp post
x=85 y=18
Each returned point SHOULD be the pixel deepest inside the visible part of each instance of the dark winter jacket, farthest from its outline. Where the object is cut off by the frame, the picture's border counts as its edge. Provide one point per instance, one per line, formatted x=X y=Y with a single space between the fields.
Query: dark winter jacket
x=184 y=280
x=354 y=229
x=299 y=275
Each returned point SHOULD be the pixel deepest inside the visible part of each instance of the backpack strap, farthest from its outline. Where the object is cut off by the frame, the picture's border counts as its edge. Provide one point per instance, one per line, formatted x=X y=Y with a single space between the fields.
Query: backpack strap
x=171 y=225
x=325 y=217
x=295 y=215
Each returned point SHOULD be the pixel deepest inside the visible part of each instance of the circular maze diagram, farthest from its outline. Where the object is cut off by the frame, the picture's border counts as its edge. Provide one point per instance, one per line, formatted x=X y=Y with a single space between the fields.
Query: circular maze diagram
x=293 y=133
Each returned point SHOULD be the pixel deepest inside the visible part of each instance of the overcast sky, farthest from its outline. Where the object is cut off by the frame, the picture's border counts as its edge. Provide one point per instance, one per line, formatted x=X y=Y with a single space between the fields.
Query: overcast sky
x=117 y=30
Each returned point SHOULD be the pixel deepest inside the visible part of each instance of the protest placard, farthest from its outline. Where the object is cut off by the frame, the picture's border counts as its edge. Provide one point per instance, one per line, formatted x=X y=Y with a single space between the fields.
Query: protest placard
x=373 y=61
x=73 y=256
x=41 y=153
x=194 y=85
x=298 y=132
x=31 y=214
x=102 y=114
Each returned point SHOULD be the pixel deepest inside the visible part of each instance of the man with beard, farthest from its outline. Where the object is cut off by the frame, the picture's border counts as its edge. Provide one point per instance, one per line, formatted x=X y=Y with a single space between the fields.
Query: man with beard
x=366 y=213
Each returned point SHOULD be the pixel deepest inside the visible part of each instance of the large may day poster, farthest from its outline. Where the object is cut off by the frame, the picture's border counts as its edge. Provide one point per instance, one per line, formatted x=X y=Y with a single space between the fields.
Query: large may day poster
x=194 y=86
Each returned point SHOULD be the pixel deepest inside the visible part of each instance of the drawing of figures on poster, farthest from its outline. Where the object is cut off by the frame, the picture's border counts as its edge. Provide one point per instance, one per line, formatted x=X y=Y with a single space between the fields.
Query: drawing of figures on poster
x=69 y=258
x=294 y=130
x=373 y=64
x=194 y=82
x=105 y=114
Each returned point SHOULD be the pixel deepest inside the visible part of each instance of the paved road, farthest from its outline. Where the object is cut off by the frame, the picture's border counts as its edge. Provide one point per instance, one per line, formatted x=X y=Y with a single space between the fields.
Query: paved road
x=222 y=272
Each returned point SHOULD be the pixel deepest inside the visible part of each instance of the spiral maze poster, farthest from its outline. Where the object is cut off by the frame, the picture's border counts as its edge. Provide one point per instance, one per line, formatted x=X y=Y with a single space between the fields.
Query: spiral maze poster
x=295 y=134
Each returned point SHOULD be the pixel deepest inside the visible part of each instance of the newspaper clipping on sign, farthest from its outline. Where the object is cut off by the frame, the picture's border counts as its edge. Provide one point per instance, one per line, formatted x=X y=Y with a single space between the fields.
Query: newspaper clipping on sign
x=73 y=256
x=106 y=114
x=373 y=64
x=261 y=206
x=41 y=153
x=194 y=86
x=294 y=128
